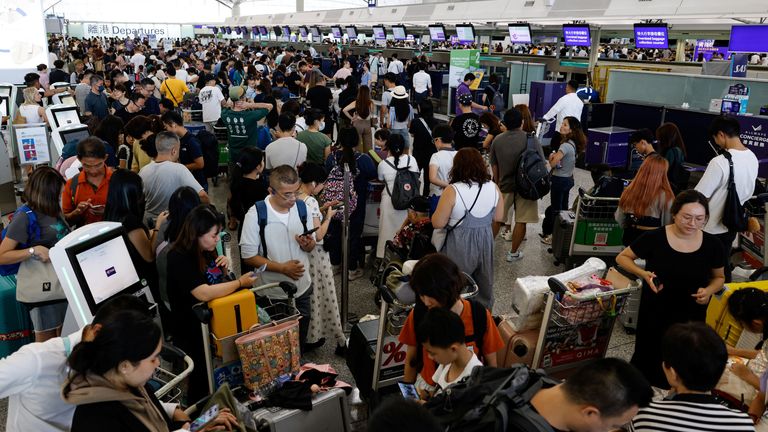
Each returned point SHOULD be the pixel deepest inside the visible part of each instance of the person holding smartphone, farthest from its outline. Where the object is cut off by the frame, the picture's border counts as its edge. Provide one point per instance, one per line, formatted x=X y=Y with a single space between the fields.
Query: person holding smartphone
x=197 y=274
x=85 y=195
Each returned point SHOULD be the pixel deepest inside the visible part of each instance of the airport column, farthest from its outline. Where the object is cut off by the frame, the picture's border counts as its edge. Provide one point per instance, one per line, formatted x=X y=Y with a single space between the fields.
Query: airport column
x=680 y=50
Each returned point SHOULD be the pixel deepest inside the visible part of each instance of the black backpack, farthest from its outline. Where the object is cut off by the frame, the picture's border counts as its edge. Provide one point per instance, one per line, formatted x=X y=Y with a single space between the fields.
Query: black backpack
x=493 y=400
x=210 y=148
x=498 y=99
x=734 y=213
x=533 y=179
x=405 y=186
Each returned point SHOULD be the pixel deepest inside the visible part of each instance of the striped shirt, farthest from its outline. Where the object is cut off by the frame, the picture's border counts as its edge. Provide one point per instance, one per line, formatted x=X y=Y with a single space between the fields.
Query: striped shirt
x=690 y=412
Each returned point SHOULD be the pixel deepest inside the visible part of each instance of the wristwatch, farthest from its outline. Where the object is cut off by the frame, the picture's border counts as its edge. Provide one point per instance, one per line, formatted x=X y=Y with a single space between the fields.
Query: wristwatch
x=31 y=252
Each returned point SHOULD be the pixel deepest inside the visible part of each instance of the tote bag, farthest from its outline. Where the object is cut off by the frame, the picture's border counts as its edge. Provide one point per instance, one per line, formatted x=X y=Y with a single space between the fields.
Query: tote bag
x=37 y=282
x=268 y=353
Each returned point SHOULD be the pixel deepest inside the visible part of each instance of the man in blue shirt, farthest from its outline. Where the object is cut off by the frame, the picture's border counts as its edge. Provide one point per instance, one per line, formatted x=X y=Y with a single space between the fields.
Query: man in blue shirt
x=151 y=104
x=96 y=101
x=190 y=151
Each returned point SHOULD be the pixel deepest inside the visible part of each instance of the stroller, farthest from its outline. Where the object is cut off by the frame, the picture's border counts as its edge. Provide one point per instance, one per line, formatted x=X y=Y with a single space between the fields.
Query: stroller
x=394 y=256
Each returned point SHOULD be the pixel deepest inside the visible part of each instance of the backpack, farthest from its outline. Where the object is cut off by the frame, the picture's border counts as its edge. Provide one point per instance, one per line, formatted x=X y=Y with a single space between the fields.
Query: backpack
x=533 y=179
x=263 y=137
x=33 y=230
x=493 y=400
x=498 y=99
x=405 y=186
x=210 y=147
x=734 y=213
x=479 y=328
x=334 y=189
x=262 y=213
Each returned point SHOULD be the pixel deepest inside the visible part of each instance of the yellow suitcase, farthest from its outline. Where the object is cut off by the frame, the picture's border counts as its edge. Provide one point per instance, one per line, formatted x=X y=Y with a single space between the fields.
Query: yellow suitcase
x=718 y=316
x=232 y=315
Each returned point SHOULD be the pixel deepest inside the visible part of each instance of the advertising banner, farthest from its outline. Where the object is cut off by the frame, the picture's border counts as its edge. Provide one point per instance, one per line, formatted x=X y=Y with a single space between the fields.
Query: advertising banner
x=739 y=65
x=706 y=48
x=754 y=135
x=22 y=38
x=131 y=30
x=461 y=63
x=32 y=143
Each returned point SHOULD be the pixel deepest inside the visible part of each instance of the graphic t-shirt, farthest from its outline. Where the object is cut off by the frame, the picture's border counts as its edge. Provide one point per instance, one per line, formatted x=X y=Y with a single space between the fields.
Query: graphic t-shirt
x=466 y=129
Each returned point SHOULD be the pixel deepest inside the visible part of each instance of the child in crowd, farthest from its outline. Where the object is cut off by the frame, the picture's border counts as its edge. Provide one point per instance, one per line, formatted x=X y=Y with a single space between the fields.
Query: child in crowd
x=418 y=222
x=441 y=332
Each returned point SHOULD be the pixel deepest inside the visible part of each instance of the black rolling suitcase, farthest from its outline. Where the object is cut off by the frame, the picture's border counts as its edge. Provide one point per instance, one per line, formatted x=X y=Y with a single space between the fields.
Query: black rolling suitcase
x=361 y=357
x=561 y=236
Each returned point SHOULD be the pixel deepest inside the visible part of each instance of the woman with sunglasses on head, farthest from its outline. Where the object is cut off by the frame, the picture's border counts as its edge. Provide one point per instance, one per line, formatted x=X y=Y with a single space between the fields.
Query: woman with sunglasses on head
x=683 y=269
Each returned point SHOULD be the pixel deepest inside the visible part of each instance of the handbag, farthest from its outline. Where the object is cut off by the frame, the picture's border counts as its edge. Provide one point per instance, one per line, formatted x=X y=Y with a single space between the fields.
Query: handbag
x=269 y=353
x=734 y=214
x=37 y=282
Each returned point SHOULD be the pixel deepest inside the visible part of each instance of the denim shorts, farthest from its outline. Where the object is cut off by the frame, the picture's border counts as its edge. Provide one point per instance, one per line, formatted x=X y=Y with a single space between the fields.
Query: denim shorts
x=48 y=317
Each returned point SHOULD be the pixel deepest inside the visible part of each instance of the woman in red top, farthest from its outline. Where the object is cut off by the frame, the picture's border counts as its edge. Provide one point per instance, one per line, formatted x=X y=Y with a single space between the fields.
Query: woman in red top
x=438 y=282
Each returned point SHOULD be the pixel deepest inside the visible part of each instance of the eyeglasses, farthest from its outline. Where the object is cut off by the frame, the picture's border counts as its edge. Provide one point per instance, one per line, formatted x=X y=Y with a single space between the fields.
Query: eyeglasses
x=288 y=196
x=695 y=219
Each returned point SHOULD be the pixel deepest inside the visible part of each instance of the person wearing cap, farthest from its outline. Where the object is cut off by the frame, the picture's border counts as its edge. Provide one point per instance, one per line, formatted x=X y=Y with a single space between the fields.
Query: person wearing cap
x=463 y=89
x=417 y=222
x=173 y=88
x=211 y=99
x=400 y=115
x=242 y=123
x=466 y=125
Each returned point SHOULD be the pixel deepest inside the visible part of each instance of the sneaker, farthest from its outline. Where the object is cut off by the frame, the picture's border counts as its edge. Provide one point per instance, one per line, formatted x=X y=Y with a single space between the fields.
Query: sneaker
x=355 y=274
x=507 y=235
x=547 y=240
x=514 y=256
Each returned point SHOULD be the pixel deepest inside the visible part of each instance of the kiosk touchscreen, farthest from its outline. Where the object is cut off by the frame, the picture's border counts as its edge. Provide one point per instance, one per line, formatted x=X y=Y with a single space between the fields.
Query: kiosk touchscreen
x=94 y=265
x=67 y=134
x=65 y=98
x=63 y=114
x=7 y=98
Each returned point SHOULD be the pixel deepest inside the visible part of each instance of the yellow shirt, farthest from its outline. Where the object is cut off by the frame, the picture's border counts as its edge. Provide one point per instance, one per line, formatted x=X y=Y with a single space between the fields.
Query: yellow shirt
x=140 y=158
x=174 y=90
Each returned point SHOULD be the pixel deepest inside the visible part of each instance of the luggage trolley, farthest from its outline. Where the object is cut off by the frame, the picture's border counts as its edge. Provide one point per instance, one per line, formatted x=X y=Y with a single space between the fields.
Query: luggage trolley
x=753 y=244
x=221 y=356
x=577 y=328
x=165 y=381
x=595 y=230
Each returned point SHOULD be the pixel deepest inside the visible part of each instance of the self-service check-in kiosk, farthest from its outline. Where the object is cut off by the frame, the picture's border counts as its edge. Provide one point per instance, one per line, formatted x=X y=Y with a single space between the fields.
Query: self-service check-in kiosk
x=66 y=98
x=7 y=100
x=65 y=127
x=94 y=265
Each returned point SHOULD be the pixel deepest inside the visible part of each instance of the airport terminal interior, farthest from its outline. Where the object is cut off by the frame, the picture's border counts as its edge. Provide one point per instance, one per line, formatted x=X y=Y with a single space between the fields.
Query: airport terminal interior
x=382 y=215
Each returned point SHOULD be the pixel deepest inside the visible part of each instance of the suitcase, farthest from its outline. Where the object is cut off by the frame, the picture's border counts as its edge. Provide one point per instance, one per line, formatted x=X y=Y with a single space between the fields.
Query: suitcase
x=519 y=347
x=15 y=326
x=330 y=413
x=718 y=316
x=561 y=236
x=231 y=315
x=361 y=356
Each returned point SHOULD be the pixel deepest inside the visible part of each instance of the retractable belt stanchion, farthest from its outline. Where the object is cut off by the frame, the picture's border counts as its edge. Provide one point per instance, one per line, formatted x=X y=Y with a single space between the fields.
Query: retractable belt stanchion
x=345 y=252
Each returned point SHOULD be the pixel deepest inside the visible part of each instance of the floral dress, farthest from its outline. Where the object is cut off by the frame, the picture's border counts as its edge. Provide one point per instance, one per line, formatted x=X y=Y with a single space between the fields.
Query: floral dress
x=325 y=320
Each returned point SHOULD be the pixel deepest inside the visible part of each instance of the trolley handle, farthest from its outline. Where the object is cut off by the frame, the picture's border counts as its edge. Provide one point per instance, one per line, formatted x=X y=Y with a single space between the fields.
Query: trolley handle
x=204 y=313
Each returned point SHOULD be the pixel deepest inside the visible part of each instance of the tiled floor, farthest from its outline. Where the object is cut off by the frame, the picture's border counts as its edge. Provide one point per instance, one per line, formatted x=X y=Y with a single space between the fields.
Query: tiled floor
x=536 y=261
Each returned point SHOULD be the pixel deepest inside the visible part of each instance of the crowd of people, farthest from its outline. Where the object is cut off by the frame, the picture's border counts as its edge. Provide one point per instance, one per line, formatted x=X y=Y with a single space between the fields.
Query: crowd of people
x=293 y=132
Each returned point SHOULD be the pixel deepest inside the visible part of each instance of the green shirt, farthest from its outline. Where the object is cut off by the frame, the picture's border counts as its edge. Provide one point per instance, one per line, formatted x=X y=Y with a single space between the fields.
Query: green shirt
x=316 y=143
x=242 y=130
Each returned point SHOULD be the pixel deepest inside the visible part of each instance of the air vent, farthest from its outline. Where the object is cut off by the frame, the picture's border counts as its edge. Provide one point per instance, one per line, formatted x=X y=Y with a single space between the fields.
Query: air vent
x=529 y=3
x=451 y=7
x=393 y=10
x=351 y=13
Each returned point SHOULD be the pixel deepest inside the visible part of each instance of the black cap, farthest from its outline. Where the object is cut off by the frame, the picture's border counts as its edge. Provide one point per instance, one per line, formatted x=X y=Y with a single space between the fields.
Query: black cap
x=419 y=204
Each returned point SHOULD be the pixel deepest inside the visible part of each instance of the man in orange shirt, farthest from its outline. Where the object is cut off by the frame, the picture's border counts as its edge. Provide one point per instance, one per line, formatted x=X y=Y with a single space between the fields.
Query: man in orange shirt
x=85 y=195
x=438 y=282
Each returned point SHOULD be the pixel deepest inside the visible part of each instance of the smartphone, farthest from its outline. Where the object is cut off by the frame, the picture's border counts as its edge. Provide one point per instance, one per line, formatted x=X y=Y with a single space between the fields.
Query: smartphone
x=207 y=417
x=261 y=269
x=656 y=281
x=310 y=231
x=338 y=207
x=408 y=391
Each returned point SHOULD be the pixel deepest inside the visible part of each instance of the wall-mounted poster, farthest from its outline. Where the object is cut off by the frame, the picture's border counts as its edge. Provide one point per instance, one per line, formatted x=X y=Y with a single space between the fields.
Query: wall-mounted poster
x=32 y=143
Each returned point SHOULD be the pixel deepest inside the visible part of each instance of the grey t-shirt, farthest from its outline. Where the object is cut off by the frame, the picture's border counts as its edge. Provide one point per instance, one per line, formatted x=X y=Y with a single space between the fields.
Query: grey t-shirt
x=506 y=150
x=285 y=151
x=51 y=230
x=568 y=162
x=81 y=92
x=160 y=182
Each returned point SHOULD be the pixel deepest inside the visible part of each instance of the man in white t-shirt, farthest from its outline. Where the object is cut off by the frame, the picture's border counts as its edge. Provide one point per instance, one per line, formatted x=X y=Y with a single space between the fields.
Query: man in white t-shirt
x=285 y=150
x=164 y=175
x=212 y=100
x=725 y=132
x=138 y=59
x=422 y=84
x=395 y=66
x=567 y=106
x=440 y=164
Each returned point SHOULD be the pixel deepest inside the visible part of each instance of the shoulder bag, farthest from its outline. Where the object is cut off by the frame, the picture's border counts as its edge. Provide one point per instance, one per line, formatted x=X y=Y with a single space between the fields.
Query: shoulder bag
x=37 y=282
x=734 y=214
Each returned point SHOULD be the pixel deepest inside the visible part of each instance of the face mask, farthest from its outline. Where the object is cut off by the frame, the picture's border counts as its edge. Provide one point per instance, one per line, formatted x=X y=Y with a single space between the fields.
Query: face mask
x=101 y=88
x=322 y=125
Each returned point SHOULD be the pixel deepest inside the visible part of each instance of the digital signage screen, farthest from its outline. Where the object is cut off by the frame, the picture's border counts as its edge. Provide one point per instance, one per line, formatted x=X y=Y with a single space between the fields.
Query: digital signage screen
x=351 y=32
x=303 y=31
x=286 y=31
x=519 y=33
x=437 y=33
x=278 y=31
x=398 y=32
x=749 y=39
x=336 y=31
x=653 y=36
x=264 y=31
x=576 y=35
x=465 y=33
x=379 y=32
x=316 y=32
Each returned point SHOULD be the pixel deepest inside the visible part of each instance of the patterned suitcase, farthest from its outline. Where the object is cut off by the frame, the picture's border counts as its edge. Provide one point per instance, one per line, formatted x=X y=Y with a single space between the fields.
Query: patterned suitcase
x=330 y=413
x=15 y=326
x=561 y=236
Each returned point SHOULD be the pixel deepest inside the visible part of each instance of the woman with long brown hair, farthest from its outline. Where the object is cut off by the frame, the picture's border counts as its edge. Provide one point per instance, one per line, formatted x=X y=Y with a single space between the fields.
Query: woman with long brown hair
x=645 y=203
x=563 y=162
x=528 y=125
x=361 y=118
x=467 y=210
x=671 y=146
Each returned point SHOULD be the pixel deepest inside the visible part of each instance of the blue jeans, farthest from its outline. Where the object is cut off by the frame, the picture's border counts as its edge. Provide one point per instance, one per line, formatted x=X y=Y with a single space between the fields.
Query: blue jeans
x=561 y=186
